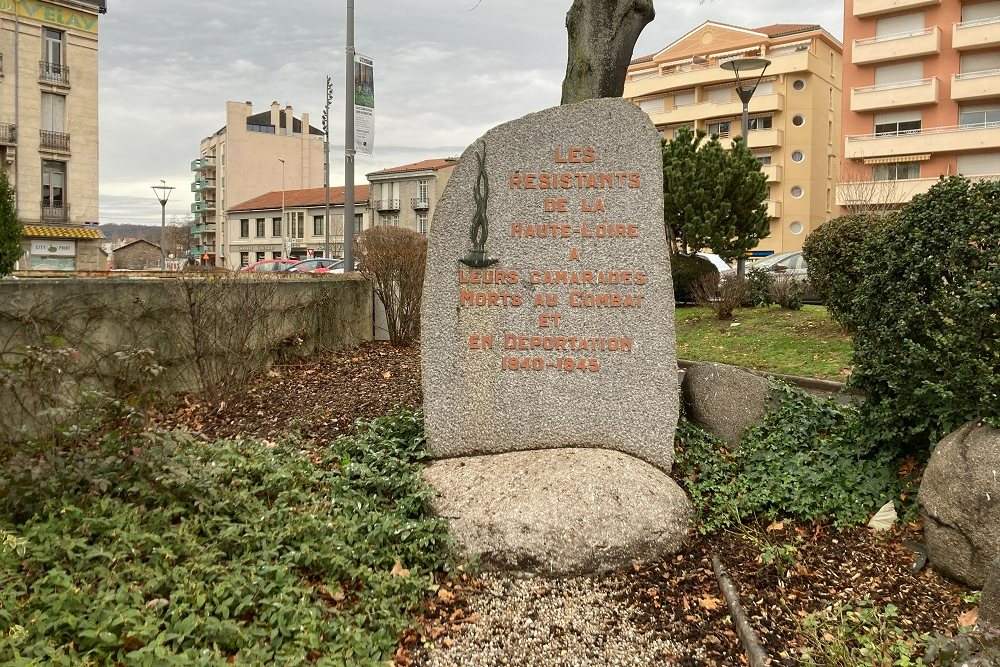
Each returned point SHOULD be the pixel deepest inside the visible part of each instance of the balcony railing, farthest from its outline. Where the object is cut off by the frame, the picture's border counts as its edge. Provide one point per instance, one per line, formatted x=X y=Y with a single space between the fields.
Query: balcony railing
x=202 y=206
x=897 y=94
x=206 y=162
x=53 y=141
x=898 y=45
x=972 y=136
x=874 y=7
x=57 y=213
x=420 y=204
x=387 y=205
x=976 y=34
x=203 y=184
x=54 y=73
x=8 y=134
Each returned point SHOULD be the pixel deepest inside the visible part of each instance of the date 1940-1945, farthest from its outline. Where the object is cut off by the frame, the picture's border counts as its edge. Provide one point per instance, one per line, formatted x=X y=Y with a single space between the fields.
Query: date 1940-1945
x=566 y=364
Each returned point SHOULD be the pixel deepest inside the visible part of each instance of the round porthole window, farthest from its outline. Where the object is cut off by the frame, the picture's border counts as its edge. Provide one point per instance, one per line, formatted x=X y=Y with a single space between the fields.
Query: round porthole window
x=799 y=84
x=797 y=191
x=798 y=120
x=797 y=156
x=795 y=227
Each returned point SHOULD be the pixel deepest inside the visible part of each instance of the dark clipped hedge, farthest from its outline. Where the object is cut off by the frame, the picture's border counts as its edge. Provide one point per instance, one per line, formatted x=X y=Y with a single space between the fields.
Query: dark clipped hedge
x=686 y=270
x=925 y=316
x=835 y=252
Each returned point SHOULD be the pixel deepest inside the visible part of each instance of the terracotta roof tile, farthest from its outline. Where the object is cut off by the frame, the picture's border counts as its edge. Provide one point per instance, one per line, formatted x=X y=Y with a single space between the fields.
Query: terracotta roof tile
x=299 y=198
x=782 y=29
x=62 y=232
x=423 y=165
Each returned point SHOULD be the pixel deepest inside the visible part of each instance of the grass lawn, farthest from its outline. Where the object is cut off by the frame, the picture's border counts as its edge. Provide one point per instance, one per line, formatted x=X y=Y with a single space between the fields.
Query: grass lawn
x=805 y=342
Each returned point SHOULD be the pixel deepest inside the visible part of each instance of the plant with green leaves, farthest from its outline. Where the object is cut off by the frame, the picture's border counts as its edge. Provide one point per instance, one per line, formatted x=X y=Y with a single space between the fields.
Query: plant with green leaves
x=165 y=550
x=836 y=252
x=11 y=232
x=711 y=198
x=805 y=460
x=926 y=317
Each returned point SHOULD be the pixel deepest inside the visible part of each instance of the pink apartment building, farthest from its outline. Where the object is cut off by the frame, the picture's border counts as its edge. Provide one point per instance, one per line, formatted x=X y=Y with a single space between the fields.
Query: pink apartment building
x=921 y=97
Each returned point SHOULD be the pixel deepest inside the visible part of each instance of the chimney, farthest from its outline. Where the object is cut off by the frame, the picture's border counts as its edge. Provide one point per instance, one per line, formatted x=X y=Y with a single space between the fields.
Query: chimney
x=305 y=124
x=289 y=119
x=275 y=120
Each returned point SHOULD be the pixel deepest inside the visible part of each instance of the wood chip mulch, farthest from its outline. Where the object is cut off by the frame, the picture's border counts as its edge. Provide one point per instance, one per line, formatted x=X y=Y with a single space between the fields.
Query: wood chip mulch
x=322 y=397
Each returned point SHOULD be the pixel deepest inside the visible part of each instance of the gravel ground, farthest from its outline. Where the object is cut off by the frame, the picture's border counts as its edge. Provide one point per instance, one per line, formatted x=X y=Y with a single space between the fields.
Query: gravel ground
x=579 y=621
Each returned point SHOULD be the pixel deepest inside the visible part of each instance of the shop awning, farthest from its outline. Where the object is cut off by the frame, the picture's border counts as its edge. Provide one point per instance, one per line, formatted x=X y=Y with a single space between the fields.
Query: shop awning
x=898 y=158
x=62 y=232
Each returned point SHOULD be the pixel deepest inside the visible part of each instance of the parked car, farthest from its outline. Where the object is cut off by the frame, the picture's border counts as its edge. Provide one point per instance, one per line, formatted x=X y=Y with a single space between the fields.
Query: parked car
x=270 y=265
x=317 y=265
x=716 y=261
x=793 y=265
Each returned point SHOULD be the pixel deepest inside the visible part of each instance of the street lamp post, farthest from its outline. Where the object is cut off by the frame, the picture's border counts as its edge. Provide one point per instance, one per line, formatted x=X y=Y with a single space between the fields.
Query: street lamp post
x=162 y=192
x=745 y=88
x=286 y=223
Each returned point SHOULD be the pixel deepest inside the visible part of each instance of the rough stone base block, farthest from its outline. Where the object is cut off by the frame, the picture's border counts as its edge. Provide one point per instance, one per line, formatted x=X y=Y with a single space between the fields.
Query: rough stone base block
x=559 y=512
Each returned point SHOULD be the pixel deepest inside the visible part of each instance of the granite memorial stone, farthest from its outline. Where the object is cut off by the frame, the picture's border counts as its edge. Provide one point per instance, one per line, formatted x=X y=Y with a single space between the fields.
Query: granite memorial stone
x=547 y=316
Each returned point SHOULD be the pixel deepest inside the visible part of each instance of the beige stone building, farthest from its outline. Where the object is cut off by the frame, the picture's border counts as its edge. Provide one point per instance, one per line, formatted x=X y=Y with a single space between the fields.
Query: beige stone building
x=48 y=129
x=406 y=196
x=257 y=229
x=251 y=154
x=137 y=255
x=794 y=113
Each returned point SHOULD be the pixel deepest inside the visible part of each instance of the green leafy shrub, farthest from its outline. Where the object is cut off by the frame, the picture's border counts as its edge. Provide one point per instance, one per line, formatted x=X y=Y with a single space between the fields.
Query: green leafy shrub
x=835 y=253
x=858 y=635
x=806 y=460
x=11 y=233
x=925 y=316
x=686 y=270
x=759 y=283
x=166 y=550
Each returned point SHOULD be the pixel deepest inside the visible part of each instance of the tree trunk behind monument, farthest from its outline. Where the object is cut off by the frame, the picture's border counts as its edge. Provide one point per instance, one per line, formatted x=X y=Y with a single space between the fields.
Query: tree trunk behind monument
x=602 y=36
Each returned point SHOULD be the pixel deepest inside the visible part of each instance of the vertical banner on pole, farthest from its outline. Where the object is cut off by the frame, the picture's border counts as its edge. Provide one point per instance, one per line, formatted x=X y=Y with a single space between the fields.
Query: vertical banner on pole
x=364 y=104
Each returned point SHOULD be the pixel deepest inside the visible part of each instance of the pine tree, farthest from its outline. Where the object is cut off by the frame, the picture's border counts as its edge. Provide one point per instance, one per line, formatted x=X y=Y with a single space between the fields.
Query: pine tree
x=711 y=198
x=11 y=233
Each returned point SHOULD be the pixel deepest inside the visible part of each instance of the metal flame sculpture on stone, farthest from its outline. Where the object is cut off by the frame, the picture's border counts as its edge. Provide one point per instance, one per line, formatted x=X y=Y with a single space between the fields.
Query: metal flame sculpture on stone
x=480 y=230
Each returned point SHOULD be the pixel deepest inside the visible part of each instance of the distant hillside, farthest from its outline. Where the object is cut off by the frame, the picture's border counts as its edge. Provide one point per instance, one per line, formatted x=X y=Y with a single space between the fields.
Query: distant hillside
x=116 y=231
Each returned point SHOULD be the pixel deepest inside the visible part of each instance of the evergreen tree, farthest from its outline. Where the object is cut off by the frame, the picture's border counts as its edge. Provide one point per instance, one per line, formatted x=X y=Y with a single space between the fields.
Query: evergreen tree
x=711 y=198
x=10 y=228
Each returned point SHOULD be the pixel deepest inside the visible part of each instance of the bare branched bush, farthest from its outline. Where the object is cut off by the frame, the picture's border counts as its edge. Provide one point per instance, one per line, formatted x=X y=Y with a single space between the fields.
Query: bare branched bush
x=225 y=322
x=786 y=291
x=393 y=260
x=723 y=295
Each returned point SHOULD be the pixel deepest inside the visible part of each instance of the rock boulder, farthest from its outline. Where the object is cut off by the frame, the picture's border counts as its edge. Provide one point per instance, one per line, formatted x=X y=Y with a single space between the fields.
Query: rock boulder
x=724 y=400
x=960 y=501
x=559 y=512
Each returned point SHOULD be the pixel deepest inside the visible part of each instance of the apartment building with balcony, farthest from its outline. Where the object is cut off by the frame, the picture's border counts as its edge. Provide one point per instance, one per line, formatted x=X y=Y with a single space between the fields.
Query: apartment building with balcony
x=924 y=97
x=406 y=196
x=794 y=113
x=49 y=129
x=258 y=230
x=252 y=153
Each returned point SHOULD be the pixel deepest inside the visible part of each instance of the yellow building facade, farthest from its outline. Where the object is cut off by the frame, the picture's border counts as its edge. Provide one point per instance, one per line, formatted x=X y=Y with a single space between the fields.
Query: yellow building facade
x=252 y=154
x=794 y=113
x=49 y=129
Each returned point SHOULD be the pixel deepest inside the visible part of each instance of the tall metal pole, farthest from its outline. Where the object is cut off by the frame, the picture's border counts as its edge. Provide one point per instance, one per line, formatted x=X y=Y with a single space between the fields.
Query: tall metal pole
x=349 y=145
x=286 y=223
x=326 y=165
x=163 y=234
x=741 y=262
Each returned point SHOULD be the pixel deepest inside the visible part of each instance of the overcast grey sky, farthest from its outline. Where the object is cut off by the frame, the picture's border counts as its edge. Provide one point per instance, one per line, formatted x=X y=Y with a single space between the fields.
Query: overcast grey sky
x=445 y=72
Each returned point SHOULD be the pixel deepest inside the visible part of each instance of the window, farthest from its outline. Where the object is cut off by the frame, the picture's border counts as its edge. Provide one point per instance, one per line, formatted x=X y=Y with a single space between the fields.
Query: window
x=982 y=12
x=260 y=227
x=798 y=120
x=299 y=222
x=896 y=171
x=888 y=75
x=799 y=84
x=318 y=225
x=53 y=184
x=422 y=185
x=422 y=223
x=798 y=156
x=276 y=227
x=53 y=112
x=260 y=256
x=979 y=164
x=765 y=87
x=52 y=45
x=719 y=94
x=983 y=61
x=275 y=254
x=897 y=122
x=760 y=123
x=899 y=26
x=763 y=158
x=244 y=259
x=720 y=128
x=652 y=106
x=795 y=228
x=979 y=115
x=390 y=220
x=358 y=223
x=684 y=99
x=244 y=228
x=797 y=191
